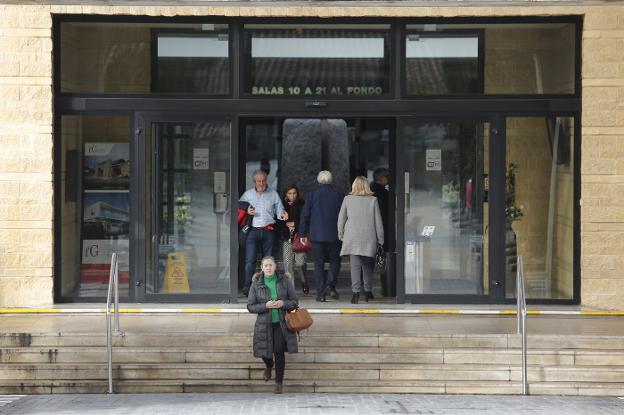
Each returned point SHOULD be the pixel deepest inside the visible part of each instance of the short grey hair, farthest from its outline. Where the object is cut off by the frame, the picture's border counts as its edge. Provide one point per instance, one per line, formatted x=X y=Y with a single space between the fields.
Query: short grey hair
x=324 y=177
x=258 y=173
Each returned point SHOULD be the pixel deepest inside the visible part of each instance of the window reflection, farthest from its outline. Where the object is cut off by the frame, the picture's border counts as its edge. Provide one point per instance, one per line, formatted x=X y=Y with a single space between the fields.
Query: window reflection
x=333 y=60
x=442 y=64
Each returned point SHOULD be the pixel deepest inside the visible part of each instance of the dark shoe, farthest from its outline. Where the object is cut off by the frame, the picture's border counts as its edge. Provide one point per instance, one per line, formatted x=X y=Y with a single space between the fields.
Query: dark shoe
x=278 y=388
x=321 y=299
x=333 y=293
x=356 y=298
x=368 y=295
x=267 y=374
x=245 y=291
x=305 y=288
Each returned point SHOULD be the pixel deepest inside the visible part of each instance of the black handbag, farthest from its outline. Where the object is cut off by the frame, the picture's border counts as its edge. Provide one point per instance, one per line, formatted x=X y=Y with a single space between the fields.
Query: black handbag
x=380 y=259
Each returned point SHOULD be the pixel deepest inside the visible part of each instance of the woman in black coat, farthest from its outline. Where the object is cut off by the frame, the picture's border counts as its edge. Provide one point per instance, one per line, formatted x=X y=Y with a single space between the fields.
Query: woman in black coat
x=271 y=296
x=294 y=262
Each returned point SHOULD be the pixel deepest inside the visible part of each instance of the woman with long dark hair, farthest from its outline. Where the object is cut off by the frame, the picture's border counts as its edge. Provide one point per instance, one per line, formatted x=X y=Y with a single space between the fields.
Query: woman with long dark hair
x=294 y=262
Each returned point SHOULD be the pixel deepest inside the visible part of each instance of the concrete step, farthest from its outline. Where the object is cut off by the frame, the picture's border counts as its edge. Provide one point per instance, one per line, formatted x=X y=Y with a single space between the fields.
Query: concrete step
x=316 y=371
x=309 y=354
x=315 y=339
x=48 y=386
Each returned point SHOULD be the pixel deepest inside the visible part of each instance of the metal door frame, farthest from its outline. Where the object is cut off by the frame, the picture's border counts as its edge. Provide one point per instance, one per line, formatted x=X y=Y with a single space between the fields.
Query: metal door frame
x=139 y=202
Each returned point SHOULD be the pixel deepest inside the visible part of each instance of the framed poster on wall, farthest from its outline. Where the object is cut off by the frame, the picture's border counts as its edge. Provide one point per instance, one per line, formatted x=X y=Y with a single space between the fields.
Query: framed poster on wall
x=105 y=215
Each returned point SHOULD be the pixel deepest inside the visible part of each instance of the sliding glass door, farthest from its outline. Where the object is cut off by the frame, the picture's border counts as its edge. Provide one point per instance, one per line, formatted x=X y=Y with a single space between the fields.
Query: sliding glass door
x=443 y=215
x=187 y=221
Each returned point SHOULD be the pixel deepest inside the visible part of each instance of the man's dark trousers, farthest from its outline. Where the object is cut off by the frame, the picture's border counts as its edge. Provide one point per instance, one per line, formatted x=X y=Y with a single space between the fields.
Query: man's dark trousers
x=258 y=241
x=320 y=251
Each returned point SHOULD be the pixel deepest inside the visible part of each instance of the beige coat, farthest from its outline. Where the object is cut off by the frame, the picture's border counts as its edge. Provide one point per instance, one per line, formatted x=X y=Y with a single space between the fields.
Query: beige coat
x=359 y=226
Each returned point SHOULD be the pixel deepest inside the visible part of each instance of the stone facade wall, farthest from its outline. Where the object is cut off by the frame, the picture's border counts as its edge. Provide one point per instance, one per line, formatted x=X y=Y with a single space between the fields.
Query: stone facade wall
x=602 y=164
x=26 y=143
x=26 y=213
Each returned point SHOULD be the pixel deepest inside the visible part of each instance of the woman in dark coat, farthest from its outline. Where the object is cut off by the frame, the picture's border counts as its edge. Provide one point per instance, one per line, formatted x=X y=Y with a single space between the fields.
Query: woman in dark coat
x=294 y=262
x=271 y=296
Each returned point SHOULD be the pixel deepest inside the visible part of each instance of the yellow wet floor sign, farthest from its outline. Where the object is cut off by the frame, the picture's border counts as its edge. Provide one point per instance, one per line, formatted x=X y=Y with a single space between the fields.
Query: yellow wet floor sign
x=176 y=279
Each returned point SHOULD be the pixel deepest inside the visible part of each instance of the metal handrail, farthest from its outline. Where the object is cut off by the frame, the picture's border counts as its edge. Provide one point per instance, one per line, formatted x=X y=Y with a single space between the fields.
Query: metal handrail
x=522 y=318
x=113 y=286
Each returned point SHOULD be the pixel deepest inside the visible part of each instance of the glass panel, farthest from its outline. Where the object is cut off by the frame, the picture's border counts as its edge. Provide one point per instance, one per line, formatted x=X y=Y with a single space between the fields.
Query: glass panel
x=445 y=207
x=95 y=205
x=442 y=64
x=196 y=64
x=294 y=150
x=540 y=205
x=317 y=60
x=189 y=222
x=143 y=58
x=519 y=58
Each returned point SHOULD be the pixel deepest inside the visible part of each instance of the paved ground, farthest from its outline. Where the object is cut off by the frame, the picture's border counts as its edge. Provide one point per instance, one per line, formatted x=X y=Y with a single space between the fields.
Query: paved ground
x=295 y=404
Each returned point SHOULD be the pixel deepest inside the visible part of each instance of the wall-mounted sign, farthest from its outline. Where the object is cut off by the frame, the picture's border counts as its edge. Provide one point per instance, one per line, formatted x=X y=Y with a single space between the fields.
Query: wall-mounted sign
x=201 y=159
x=434 y=160
x=317 y=90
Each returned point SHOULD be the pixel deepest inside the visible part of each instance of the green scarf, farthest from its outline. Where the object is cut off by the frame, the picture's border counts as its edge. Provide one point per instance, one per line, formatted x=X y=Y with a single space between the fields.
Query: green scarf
x=271 y=283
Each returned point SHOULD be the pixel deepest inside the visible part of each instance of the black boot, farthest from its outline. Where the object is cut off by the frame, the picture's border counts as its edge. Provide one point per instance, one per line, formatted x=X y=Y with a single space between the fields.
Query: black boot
x=356 y=298
x=333 y=293
x=368 y=295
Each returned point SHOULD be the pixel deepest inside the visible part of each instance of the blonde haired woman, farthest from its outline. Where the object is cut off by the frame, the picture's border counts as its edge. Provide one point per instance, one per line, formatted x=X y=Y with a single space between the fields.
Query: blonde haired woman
x=360 y=229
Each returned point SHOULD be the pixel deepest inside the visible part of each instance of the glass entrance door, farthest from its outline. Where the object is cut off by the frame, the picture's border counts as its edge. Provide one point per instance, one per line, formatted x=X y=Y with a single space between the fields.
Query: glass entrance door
x=292 y=151
x=443 y=210
x=188 y=202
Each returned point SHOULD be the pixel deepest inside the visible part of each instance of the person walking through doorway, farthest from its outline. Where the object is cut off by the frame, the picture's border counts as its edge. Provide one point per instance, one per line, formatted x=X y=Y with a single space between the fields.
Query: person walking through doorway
x=360 y=229
x=294 y=262
x=318 y=223
x=380 y=187
x=264 y=206
x=271 y=296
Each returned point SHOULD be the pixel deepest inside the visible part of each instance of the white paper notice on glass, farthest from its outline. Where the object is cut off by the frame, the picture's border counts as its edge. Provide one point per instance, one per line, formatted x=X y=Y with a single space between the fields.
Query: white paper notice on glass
x=428 y=231
x=219 y=182
x=201 y=157
x=434 y=159
x=407 y=182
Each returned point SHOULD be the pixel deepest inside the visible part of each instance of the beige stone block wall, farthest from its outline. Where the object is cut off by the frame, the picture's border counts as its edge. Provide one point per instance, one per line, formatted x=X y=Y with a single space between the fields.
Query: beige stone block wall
x=26 y=132
x=602 y=173
x=26 y=237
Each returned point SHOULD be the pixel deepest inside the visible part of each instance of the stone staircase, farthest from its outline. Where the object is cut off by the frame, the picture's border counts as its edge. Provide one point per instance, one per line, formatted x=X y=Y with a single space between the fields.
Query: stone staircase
x=353 y=362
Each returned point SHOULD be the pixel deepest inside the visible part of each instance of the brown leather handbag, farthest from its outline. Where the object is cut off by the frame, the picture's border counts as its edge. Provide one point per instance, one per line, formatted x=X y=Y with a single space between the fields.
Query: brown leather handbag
x=298 y=319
